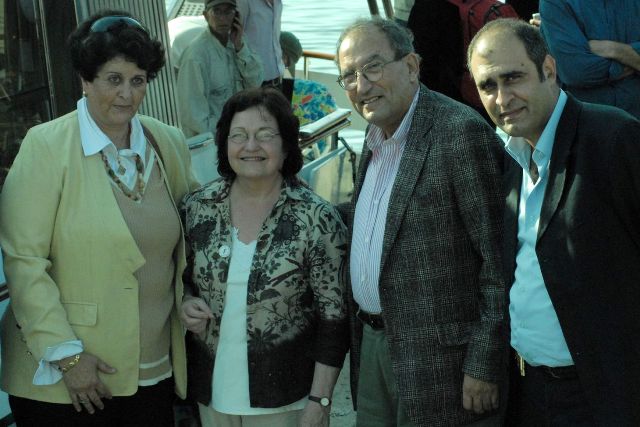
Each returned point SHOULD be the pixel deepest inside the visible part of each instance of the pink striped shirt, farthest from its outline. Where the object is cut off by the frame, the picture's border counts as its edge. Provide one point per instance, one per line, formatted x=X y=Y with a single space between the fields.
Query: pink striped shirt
x=371 y=210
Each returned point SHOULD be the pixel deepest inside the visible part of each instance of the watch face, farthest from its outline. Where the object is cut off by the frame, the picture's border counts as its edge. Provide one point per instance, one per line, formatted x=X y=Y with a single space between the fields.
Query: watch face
x=323 y=401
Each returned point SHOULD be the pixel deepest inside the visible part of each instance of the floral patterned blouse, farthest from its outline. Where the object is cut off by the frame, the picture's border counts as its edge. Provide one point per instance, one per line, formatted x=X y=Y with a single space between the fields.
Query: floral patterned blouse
x=296 y=309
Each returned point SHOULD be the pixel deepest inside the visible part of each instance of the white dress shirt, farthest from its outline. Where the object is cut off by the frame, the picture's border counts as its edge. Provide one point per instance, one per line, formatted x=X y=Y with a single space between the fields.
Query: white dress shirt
x=371 y=211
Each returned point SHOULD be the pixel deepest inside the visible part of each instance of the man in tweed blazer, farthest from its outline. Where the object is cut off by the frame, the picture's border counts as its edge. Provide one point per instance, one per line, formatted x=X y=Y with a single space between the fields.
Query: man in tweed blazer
x=428 y=295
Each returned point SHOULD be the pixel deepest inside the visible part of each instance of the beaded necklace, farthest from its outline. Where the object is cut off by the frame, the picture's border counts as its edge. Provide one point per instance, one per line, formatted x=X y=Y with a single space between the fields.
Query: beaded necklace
x=138 y=188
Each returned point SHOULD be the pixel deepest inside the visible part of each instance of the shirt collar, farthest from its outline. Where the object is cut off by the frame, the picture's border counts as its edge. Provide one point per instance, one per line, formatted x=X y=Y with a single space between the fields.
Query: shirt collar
x=375 y=137
x=95 y=140
x=520 y=150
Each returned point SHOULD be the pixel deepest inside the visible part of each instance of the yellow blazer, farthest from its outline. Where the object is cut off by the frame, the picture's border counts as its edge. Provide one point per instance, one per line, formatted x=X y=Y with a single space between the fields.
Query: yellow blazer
x=70 y=260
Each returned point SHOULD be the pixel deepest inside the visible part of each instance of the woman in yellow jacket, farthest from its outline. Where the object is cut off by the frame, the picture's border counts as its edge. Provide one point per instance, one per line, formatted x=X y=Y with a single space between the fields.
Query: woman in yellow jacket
x=94 y=247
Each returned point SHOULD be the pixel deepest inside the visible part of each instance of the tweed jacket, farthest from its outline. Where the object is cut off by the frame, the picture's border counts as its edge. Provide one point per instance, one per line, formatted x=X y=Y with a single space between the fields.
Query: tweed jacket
x=296 y=307
x=588 y=247
x=70 y=259
x=441 y=284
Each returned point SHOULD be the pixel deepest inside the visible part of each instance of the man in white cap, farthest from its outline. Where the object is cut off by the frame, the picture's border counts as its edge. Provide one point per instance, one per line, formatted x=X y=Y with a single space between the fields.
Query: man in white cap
x=217 y=64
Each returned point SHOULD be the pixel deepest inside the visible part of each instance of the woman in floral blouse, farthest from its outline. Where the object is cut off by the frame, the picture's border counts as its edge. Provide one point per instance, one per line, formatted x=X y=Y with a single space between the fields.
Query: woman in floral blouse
x=267 y=314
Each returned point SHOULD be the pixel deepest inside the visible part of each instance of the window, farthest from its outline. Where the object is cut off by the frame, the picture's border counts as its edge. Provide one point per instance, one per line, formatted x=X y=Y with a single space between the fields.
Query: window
x=24 y=91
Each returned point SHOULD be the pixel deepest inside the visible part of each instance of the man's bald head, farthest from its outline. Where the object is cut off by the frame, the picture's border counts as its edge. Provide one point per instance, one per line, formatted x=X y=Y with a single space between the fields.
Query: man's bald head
x=529 y=35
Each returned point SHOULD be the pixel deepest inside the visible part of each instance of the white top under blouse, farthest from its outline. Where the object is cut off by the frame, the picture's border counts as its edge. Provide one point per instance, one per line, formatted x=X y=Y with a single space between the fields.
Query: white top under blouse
x=230 y=382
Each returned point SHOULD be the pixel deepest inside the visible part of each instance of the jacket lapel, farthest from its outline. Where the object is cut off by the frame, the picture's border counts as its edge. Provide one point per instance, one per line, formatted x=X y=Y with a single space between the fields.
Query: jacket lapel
x=362 y=171
x=365 y=157
x=99 y=202
x=564 y=137
x=512 y=183
x=411 y=168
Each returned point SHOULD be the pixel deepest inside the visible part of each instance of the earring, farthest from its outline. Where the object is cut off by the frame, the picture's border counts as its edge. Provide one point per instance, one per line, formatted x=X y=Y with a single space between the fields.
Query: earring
x=84 y=94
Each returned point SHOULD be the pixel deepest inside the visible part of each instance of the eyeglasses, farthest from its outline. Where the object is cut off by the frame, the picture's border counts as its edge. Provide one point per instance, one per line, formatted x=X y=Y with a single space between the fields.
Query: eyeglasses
x=108 y=23
x=263 y=135
x=372 y=72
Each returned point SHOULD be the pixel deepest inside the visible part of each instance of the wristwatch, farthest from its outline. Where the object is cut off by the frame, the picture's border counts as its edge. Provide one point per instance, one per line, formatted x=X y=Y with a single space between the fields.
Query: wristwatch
x=323 y=401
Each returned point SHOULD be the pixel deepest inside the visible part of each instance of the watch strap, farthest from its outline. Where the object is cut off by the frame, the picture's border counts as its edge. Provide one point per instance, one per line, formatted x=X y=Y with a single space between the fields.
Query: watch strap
x=323 y=401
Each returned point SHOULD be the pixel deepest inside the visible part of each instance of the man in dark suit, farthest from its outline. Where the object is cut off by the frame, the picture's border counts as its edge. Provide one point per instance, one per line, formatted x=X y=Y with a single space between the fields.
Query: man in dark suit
x=425 y=267
x=572 y=237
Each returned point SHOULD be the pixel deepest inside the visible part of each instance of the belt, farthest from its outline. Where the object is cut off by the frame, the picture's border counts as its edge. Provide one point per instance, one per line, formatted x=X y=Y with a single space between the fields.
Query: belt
x=374 y=320
x=273 y=82
x=552 y=372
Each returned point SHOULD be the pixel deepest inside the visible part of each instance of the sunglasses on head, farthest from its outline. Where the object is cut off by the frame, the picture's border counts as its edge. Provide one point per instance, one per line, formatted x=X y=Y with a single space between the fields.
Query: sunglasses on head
x=108 y=23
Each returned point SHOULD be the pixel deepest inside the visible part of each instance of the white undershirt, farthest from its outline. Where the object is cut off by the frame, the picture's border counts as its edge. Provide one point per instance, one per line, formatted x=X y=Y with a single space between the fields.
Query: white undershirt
x=230 y=382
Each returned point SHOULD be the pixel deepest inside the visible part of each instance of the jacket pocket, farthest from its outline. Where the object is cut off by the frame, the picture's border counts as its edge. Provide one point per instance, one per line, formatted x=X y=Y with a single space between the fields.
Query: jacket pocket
x=81 y=313
x=454 y=333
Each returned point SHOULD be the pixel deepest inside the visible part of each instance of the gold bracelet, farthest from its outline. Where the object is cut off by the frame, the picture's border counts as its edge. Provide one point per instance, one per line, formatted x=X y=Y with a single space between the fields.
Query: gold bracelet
x=70 y=365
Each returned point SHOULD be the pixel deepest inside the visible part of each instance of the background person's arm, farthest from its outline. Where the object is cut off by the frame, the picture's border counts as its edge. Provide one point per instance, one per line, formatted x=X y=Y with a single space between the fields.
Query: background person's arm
x=250 y=67
x=577 y=64
x=626 y=54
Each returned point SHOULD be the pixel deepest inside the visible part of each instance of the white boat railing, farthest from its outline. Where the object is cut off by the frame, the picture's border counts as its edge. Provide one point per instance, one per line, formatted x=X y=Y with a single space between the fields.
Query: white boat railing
x=332 y=170
x=310 y=54
x=326 y=127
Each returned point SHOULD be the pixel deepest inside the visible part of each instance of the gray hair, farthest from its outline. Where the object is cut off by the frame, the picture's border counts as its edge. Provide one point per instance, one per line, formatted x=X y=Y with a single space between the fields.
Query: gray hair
x=529 y=35
x=400 y=38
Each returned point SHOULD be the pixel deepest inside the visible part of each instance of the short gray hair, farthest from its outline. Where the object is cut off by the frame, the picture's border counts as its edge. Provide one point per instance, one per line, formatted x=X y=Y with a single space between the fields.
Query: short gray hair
x=400 y=38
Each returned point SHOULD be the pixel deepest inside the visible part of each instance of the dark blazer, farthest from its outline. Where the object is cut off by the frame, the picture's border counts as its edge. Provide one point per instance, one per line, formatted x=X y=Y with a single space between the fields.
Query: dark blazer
x=589 y=251
x=441 y=282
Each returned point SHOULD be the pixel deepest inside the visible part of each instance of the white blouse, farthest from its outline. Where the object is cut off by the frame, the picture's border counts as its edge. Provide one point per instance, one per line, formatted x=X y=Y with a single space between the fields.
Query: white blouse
x=231 y=370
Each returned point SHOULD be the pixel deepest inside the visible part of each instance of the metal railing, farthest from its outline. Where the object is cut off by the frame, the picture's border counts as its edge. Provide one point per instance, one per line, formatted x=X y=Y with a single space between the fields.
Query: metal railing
x=386 y=4
x=309 y=54
x=326 y=128
x=330 y=171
